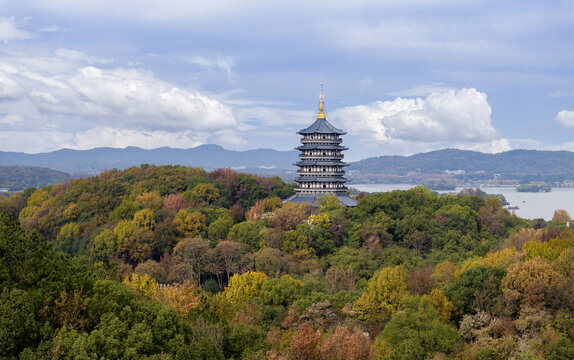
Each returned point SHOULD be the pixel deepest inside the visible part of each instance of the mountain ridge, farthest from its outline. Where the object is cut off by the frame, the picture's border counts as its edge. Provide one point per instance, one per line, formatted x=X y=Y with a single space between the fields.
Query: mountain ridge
x=461 y=165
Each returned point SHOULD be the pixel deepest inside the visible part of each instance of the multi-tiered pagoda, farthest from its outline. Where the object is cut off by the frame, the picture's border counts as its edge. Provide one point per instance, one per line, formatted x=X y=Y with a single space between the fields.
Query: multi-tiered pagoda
x=321 y=167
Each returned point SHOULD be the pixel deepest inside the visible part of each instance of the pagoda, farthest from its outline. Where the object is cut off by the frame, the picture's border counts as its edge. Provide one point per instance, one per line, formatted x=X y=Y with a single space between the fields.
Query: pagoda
x=321 y=167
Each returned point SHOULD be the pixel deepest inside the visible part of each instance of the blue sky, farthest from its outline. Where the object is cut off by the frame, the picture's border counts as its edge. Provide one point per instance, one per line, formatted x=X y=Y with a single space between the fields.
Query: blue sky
x=401 y=77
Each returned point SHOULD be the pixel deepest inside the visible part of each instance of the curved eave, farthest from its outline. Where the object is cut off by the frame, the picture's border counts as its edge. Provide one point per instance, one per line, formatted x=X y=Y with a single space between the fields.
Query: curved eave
x=321 y=126
x=326 y=163
x=321 y=147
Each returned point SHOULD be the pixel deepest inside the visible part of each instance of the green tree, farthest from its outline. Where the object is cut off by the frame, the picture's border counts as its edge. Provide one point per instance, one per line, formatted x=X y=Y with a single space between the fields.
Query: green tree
x=219 y=228
x=103 y=245
x=479 y=280
x=281 y=291
x=18 y=327
x=416 y=332
x=247 y=233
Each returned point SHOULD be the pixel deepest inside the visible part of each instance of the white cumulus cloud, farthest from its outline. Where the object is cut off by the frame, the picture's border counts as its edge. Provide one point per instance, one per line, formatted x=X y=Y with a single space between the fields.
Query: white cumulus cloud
x=461 y=116
x=565 y=118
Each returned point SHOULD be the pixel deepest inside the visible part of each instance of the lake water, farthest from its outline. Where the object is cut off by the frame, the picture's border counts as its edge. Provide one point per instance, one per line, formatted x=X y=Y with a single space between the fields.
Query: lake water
x=531 y=205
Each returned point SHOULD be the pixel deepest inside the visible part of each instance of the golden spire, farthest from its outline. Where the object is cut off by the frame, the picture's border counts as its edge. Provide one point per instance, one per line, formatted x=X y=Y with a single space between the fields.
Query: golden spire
x=321 y=114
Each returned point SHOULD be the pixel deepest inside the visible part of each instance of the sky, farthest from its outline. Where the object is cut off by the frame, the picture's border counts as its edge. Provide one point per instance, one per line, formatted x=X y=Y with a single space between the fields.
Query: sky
x=401 y=77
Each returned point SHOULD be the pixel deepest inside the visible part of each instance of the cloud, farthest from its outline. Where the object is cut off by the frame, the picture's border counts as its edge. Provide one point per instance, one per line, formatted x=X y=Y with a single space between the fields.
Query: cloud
x=219 y=62
x=565 y=118
x=9 y=30
x=9 y=88
x=491 y=147
x=461 y=116
x=63 y=95
x=80 y=56
x=115 y=137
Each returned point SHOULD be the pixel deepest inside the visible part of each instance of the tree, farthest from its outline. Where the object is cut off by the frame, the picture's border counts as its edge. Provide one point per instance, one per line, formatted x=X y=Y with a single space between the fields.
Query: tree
x=138 y=246
x=173 y=203
x=281 y=291
x=561 y=216
x=69 y=232
x=247 y=233
x=189 y=224
x=18 y=327
x=207 y=193
x=416 y=332
x=341 y=279
x=305 y=344
x=271 y=261
x=219 y=228
x=289 y=216
x=245 y=342
x=197 y=254
x=385 y=291
x=443 y=306
x=145 y=219
x=530 y=281
x=474 y=282
x=358 y=259
x=345 y=344
x=151 y=200
x=232 y=257
x=245 y=286
x=103 y=245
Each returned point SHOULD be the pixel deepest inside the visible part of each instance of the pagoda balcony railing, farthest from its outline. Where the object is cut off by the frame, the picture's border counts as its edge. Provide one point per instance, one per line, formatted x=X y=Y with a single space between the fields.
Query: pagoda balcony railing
x=321 y=157
x=322 y=191
x=321 y=141
x=319 y=173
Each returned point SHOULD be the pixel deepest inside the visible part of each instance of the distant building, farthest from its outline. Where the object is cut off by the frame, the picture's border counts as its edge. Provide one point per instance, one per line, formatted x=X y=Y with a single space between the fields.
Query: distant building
x=321 y=167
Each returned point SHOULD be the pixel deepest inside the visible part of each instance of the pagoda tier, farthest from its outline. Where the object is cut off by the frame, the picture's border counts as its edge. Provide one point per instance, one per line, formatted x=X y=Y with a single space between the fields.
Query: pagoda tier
x=321 y=167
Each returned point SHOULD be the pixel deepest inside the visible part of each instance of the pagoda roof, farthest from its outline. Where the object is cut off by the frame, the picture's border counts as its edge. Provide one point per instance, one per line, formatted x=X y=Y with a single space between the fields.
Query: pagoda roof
x=321 y=126
x=321 y=147
x=320 y=179
x=313 y=199
x=316 y=162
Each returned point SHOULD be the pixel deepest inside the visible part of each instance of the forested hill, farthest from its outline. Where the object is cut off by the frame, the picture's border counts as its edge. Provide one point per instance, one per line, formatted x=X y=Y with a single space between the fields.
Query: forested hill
x=22 y=177
x=511 y=164
x=172 y=262
x=204 y=156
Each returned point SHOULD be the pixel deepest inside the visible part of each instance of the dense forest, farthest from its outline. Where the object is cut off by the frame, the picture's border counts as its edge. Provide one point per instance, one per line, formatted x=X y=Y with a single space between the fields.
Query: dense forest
x=173 y=262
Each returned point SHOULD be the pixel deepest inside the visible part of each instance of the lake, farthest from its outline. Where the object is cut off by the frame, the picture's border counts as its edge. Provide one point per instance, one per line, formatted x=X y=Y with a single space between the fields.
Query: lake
x=531 y=205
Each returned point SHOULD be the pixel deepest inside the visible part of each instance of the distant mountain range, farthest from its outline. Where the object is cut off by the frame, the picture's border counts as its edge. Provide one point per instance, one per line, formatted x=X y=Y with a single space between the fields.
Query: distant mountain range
x=22 y=177
x=450 y=164
x=81 y=162
x=520 y=165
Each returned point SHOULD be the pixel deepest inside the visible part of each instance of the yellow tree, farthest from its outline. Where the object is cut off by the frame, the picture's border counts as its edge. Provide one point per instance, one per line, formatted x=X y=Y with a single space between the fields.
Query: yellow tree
x=207 y=193
x=529 y=281
x=143 y=285
x=151 y=200
x=383 y=297
x=443 y=306
x=190 y=224
x=444 y=273
x=184 y=298
x=245 y=286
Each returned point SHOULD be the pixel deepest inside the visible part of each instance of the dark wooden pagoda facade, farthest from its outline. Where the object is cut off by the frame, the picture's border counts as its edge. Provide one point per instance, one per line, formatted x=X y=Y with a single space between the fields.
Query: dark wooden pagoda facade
x=321 y=166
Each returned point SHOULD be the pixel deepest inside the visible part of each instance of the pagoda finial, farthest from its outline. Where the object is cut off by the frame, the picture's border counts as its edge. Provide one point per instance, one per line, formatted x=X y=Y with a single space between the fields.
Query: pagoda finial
x=321 y=114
